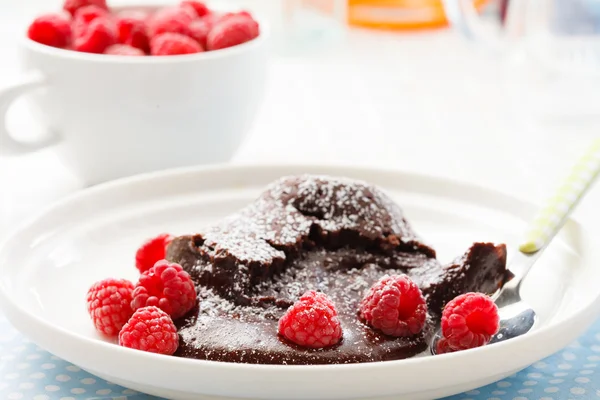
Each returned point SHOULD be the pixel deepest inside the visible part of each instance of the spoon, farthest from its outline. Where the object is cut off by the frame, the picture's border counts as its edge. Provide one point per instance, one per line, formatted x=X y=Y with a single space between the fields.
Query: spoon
x=516 y=316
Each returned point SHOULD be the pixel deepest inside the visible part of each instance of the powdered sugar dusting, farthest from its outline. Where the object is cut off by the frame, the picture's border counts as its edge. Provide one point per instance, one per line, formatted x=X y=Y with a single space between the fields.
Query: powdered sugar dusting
x=333 y=235
x=296 y=213
x=340 y=203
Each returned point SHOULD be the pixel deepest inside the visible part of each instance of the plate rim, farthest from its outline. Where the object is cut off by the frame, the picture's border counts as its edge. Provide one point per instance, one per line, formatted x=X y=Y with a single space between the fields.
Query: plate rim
x=10 y=307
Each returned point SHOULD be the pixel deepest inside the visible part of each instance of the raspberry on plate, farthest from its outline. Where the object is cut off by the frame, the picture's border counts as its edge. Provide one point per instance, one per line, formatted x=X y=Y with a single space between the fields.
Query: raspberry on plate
x=96 y=37
x=199 y=7
x=469 y=320
x=170 y=19
x=51 y=29
x=132 y=30
x=109 y=305
x=443 y=347
x=167 y=286
x=73 y=5
x=152 y=251
x=150 y=329
x=84 y=16
x=311 y=322
x=199 y=31
x=170 y=44
x=232 y=31
x=123 y=50
x=395 y=306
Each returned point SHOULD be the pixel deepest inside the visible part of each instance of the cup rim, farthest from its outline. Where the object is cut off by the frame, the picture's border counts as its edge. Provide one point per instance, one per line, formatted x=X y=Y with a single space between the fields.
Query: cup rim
x=174 y=59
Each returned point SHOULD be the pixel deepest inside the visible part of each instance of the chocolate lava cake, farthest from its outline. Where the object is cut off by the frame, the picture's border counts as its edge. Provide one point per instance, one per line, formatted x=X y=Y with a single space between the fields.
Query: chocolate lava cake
x=333 y=235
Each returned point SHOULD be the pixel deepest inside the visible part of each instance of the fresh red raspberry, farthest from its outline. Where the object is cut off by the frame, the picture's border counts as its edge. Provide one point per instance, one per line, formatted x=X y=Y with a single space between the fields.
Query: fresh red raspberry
x=51 y=29
x=190 y=11
x=89 y=13
x=150 y=329
x=170 y=19
x=96 y=37
x=167 y=286
x=84 y=16
x=469 y=320
x=212 y=19
x=199 y=7
x=395 y=306
x=123 y=50
x=109 y=305
x=152 y=251
x=137 y=14
x=218 y=18
x=232 y=31
x=170 y=44
x=73 y=5
x=199 y=31
x=255 y=28
x=244 y=13
x=132 y=31
x=443 y=347
x=311 y=322
x=224 y=16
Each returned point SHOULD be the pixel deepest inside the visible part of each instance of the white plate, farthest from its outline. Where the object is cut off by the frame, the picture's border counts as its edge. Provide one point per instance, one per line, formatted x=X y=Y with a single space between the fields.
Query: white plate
x=47 y=266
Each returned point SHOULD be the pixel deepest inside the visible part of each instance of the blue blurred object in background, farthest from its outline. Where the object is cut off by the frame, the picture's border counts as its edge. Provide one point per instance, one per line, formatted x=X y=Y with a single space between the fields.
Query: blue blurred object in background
x=576 y=17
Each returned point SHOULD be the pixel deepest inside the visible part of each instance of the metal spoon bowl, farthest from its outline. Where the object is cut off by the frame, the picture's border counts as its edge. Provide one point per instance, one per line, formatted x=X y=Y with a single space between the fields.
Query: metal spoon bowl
x=516 y=316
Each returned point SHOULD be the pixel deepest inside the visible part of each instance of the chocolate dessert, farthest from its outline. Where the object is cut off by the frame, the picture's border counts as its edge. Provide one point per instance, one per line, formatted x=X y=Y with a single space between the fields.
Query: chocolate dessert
x=332 y=235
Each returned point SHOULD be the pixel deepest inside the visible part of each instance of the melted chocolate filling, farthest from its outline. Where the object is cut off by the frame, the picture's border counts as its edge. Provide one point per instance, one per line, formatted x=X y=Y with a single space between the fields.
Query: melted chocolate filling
x=333 y=235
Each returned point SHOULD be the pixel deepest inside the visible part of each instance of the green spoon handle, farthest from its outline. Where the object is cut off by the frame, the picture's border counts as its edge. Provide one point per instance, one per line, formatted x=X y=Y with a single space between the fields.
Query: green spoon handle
x=550 y=218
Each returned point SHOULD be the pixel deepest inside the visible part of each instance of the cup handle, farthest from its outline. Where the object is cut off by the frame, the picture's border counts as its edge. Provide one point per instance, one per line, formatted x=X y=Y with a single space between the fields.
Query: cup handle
x=8 y=94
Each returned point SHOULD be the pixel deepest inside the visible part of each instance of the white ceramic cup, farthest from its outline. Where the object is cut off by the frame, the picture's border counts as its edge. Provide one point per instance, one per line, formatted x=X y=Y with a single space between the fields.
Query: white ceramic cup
x=115 y=116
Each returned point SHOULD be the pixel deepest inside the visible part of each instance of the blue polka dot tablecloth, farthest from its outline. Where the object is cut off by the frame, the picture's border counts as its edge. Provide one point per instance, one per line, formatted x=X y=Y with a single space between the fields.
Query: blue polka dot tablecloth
x=31 y=373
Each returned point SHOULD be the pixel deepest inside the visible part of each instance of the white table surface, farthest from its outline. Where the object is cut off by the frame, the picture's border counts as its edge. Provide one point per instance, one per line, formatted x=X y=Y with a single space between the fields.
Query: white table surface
x=423 y=102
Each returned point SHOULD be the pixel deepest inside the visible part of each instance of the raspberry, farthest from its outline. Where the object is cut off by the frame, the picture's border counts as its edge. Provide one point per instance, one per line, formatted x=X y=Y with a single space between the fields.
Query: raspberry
x=84 y=16
x=131 y=30
x=96 y=37
x=395 y=306
x=227 y=15
x=232 y=31
x=90 y=13
x=150 y=329
x=311 y=322
x=215 y=19
x=123 y=50
x=167 y=286
x=73 y=5
x=152 y=251
x=253 y=25
x=212 y=19
x=443 y=347
x=199 y=7
x=199 y=31
x=469 y=320
x=170 y=19
x=190 y=11
x=170 y=44
x=137 y=14
x=51 y=29
x=109 y=305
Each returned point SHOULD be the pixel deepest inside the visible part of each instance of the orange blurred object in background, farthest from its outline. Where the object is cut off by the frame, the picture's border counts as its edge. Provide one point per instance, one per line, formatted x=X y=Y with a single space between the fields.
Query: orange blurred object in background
x=399 y=14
